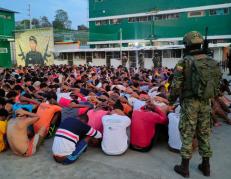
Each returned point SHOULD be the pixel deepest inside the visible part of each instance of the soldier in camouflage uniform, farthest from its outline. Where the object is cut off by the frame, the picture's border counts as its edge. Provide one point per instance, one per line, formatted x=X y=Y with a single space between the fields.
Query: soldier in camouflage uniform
x=195 y=113
x=33 y=57
x=141 y=60
x=124 y=60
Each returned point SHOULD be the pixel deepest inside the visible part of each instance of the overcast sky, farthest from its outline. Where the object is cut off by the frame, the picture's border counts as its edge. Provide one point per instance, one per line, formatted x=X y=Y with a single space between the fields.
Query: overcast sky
x=77 y=9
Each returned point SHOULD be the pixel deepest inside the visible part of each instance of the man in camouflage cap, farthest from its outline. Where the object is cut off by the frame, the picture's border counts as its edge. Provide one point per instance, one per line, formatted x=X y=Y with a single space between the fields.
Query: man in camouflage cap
x=33 y=57
x=195 y=110
x=141 y=60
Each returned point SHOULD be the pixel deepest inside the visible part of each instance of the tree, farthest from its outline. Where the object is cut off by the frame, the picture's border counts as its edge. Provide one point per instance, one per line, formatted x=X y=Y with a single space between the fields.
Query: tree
x=35 y=22
x=82 y=27
x=44 y=22
x=61 y=20
x=25 y=24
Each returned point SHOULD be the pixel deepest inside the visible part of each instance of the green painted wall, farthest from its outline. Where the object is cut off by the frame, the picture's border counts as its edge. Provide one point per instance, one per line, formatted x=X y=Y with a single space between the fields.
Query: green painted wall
x=116 y=7
x=218 y=25
x=7 y=27
x=5 y=58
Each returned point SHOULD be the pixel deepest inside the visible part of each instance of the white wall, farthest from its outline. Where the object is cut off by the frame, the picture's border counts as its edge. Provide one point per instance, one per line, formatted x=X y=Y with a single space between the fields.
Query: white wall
x=60 y=62
x=148 y=63
x=170 y=62
x=115 y=63
x=98 y=62
x=218 y=54
x=79 y=61
x=166 y=62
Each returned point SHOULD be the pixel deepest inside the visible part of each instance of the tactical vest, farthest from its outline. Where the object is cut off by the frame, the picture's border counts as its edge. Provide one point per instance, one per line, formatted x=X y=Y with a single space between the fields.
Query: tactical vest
x=187 y=87
x=201 y=77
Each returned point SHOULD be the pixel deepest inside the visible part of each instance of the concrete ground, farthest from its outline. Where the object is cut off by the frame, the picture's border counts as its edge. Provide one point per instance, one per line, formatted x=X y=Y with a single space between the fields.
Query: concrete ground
x=157 y=164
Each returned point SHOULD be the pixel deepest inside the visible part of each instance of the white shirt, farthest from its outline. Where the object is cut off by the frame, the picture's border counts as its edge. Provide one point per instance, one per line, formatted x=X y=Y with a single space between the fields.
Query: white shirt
x=137 y=104
x=115 y=138
x=62 y=147
x=62 y=95
x=174 y=140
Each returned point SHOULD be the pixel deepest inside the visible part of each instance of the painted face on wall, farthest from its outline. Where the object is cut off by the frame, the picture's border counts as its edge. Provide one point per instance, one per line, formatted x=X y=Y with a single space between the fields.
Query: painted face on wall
x=33 y=45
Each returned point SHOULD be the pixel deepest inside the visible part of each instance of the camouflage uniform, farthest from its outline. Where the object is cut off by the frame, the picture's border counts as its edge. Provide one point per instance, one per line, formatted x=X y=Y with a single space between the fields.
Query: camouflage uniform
x=124 y=61
x=195 y=113
x=141 y=61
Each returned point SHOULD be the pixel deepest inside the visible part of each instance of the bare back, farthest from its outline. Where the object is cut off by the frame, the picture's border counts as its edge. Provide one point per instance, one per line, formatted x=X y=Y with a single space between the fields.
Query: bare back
x=17 y=136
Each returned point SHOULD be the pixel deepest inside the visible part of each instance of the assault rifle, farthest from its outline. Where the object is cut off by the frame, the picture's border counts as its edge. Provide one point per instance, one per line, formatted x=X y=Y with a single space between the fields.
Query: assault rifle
x=206 y=44
x=22 y=53
x=46 y=52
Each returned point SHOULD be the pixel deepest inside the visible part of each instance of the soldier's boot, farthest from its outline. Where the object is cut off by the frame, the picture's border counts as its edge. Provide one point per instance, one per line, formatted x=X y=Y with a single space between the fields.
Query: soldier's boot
x=204 y=167
x=183 y=169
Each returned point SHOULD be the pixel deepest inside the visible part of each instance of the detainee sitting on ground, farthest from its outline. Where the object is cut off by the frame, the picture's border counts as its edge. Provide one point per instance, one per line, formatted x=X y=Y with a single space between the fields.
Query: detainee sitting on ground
x=71 y=139
x=17 y=136
x=219 y=109
x=3 y=125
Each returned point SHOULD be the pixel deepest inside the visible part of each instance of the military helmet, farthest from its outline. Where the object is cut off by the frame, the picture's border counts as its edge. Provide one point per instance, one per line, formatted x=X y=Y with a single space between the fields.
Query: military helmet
x=192 y=38
x=33 y=38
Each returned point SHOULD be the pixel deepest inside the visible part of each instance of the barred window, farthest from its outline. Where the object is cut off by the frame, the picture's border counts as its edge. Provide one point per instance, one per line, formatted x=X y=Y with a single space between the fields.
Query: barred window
x=167 y=16
x=140 y=19
x=148 y=54
x=99 y=55
x=217 y=12
x=3 y=50
x=115 y=21
x=176 y=53
x=102 y=22
x=196 y=13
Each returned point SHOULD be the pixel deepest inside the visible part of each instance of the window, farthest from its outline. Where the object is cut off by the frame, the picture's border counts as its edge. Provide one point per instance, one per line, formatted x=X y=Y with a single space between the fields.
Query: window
x=102 y=46
x=115 y=21
x=89 y=57
x=114 y=45
x=3 y=50
x=166 y=54
x=148 y=54
x=217 y=12
x=116 y=55
x=64 y=56
x=99 y=55
x=102 y=22
x=8 y=17
x=172 y=53
x=140 y=19
x=5 y=16
x=167 y=16
x=196 y=13
x=176 y=53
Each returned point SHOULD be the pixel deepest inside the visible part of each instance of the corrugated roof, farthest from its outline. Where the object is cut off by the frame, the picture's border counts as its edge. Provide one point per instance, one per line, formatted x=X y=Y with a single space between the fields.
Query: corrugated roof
x=7 y=10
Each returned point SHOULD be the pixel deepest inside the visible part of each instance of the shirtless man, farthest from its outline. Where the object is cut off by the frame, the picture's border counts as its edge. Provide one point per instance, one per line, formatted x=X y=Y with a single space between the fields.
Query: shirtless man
x=17 y=136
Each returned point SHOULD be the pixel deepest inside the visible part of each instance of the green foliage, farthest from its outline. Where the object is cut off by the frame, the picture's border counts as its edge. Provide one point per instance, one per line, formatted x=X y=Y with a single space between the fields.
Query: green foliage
x=61 y=20
x=44 y=22
x=35 y=23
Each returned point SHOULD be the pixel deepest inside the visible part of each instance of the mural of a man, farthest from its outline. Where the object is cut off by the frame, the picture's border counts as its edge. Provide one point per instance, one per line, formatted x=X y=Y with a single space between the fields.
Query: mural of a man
x=33 y=57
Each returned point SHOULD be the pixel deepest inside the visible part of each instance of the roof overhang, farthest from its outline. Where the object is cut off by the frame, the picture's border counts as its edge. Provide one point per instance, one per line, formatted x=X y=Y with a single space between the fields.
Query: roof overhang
x=175 y=39
x=161 y=47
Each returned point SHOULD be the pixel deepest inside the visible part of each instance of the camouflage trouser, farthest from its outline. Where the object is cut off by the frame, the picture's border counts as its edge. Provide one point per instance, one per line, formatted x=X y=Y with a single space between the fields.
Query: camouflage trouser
x=141 y=63
x=124 y=62
x=195 y=121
